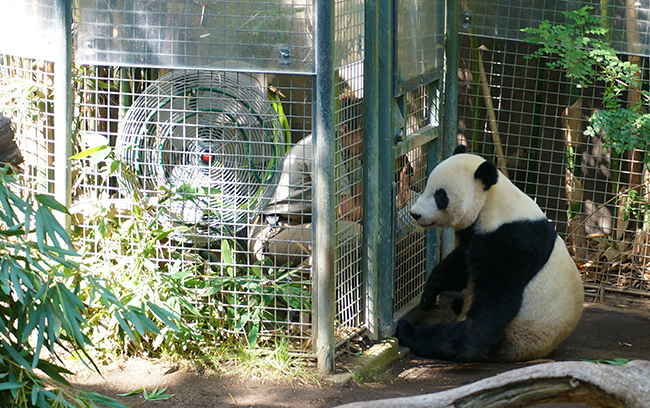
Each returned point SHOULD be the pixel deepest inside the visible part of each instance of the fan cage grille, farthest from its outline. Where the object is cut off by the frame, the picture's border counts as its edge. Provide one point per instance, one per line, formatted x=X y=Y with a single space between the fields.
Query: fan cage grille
x=206 y=145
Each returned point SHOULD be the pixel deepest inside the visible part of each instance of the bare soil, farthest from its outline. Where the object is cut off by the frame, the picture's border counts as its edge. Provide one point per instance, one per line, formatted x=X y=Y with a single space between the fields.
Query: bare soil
x=603 y=333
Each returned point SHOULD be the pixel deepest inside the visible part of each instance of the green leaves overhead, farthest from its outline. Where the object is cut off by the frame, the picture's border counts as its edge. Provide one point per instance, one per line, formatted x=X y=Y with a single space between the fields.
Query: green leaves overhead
x=579 y=49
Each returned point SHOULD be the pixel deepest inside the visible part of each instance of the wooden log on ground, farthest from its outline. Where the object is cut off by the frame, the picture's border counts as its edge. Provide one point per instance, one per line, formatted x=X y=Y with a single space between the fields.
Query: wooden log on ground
x=596 y=385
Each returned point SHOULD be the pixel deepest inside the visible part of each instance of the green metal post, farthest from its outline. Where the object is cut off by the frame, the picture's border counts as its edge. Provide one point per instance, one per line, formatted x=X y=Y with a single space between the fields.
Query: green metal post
x=371 y=236
x=450 y=116
x=370 y=170
x=324 y=237
x=63 y=105
x=385 y=260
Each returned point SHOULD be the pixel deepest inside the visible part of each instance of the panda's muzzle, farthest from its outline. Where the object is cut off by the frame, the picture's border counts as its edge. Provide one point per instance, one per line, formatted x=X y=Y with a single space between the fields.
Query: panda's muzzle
x=418 y=218
x=422 y=222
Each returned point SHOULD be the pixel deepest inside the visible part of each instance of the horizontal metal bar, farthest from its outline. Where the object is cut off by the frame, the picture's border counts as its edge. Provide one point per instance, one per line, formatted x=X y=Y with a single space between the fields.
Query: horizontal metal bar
x=418 y=138
x=402 y=88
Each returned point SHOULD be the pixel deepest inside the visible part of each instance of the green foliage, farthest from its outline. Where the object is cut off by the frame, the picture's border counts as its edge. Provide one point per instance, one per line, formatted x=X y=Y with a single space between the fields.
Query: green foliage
x=572 y=43
x=212 y=296
x=41 y=310
x=157 y=394
x=22 y=96
x=625 y=129
x=123 y=252
x=586 y=58
x=614 y=362
x=249 y=296
x=634 y=206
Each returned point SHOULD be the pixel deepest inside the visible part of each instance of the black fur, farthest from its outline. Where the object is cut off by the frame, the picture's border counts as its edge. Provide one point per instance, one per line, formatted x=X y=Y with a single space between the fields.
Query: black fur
x=457 y=305
x=460 y=149
x=449 y=274
x=442 y=200
x=500 y=264
x=488 y=174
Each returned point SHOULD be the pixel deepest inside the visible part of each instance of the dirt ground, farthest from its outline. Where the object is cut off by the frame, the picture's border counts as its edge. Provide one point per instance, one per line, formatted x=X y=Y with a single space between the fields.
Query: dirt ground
x=603 y=333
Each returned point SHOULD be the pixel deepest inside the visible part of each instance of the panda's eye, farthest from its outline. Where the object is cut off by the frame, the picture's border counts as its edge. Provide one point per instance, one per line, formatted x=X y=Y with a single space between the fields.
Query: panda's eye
x=442 y=201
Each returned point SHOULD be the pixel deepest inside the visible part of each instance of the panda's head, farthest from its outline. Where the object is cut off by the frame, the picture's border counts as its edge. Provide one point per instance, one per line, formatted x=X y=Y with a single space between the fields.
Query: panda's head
x=456 y=191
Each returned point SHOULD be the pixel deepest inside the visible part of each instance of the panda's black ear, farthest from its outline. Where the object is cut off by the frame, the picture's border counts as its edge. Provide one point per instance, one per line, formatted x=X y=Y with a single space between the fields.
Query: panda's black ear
x=488 y=174
x=460 y=149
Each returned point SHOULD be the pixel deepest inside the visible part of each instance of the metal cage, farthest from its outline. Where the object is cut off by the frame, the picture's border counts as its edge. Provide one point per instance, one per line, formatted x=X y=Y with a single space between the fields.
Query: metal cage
x=311 y=71
x=188 y=114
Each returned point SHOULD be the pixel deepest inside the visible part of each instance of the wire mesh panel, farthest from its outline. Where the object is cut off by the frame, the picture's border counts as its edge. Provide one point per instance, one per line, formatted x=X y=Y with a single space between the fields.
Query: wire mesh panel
x=349 y=190
x=348 y=159
x=531 y=121
x=242 y=35
x=159 y=191
x=27 y=84
x=202 y=153
x=418 y=64
x=411 y=171
x=27 y=99
x=504 y=19
x=410 y=262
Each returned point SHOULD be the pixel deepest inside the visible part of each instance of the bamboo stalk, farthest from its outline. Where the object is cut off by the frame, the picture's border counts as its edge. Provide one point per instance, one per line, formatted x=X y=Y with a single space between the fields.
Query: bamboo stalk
x=492 y=118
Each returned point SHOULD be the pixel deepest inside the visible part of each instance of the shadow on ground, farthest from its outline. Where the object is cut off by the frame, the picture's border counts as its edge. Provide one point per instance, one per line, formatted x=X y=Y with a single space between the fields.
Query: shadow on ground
x=604 y=333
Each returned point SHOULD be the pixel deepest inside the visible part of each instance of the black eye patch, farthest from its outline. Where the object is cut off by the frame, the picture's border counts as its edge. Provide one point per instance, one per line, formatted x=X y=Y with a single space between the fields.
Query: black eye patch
x=442 y=201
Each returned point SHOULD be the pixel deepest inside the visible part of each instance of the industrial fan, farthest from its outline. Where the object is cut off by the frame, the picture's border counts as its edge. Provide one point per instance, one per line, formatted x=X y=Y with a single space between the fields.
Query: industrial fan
x=206 y=144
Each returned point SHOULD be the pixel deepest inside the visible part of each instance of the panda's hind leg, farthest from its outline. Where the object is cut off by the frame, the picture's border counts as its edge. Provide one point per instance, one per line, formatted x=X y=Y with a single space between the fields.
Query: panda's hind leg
x=447 y=341
x=524 y=341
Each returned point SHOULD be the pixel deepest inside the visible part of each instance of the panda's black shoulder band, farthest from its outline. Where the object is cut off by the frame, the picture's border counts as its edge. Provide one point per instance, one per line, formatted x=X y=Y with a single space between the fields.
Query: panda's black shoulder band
x=488 y=174
x=460 y=149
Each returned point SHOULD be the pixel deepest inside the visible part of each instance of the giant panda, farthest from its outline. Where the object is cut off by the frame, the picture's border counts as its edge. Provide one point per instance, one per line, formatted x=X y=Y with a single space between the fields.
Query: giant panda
x=523 y=292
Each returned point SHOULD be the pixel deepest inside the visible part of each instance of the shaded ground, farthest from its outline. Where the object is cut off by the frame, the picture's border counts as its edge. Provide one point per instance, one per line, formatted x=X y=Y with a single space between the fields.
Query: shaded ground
x=603 y=333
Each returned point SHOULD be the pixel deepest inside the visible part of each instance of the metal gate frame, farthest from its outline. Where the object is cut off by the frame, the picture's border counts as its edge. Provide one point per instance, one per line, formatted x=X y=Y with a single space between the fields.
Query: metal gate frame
x=384 y=142
x=384 y=121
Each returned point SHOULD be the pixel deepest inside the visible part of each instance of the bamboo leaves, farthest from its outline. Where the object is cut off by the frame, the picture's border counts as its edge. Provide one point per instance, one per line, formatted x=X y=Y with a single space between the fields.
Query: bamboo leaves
x=41 y=308
x=249 y=293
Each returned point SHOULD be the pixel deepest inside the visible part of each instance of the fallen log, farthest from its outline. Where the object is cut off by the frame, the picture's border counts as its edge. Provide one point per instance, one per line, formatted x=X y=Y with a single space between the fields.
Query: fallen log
x=596 y=385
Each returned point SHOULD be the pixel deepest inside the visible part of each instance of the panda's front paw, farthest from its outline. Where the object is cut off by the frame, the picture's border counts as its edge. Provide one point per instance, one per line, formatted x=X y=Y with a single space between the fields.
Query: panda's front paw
x=428 y=301
x=404 y=332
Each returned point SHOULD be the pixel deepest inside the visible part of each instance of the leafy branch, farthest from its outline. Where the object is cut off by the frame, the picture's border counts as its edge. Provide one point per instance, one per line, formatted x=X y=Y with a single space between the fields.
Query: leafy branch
x=217 y=298
x=586 y=58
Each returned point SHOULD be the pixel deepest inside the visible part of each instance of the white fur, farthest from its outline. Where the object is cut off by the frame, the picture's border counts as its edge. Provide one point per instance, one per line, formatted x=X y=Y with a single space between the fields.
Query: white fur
x=551 y=308
x=552 y=301
x=467 y=198
x=456 y=176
